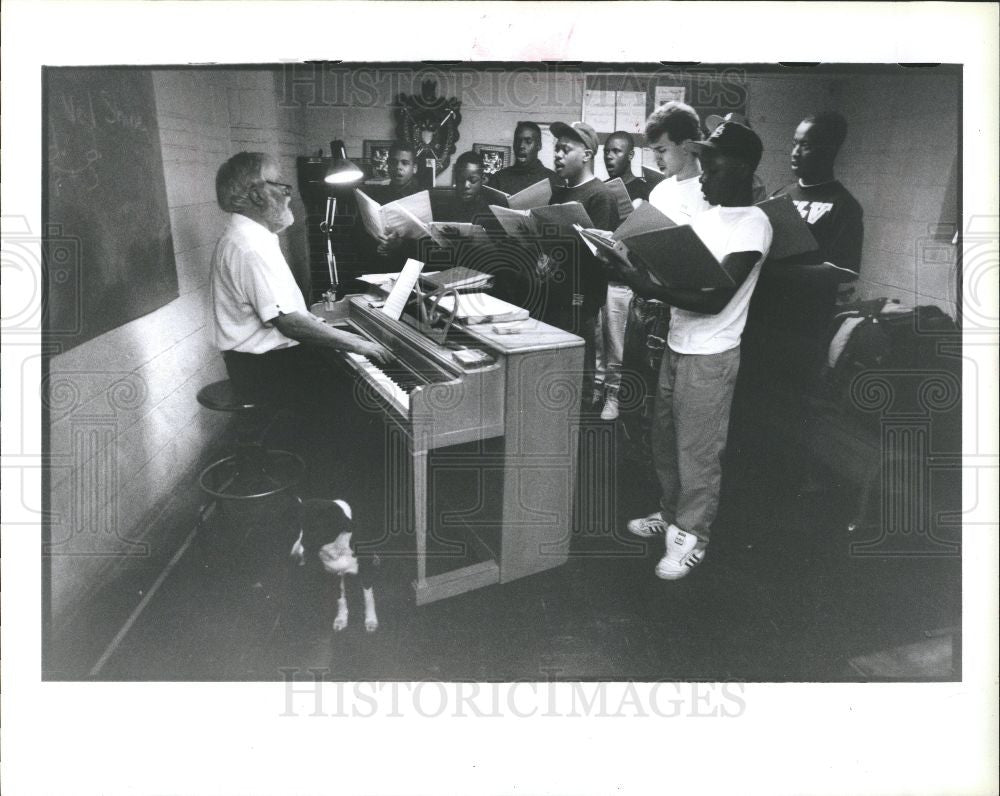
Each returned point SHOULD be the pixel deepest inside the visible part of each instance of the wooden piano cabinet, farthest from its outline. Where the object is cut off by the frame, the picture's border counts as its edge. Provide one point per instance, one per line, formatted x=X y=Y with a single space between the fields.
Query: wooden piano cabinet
x=530 y=397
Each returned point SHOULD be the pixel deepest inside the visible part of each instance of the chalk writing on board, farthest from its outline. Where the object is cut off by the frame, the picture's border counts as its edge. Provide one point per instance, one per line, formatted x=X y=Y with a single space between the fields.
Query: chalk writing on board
x=106 y=189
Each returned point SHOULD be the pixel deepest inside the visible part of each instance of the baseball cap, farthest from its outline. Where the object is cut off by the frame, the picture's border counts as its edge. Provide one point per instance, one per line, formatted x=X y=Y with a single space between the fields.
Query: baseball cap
x=579 y=131
x=732 y=139
x=714 y=120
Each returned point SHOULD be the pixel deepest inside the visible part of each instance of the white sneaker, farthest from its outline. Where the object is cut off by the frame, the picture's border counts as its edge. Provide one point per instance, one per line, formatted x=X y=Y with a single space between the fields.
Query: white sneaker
x=684 y=552
x=648 y=527
x=610 y=410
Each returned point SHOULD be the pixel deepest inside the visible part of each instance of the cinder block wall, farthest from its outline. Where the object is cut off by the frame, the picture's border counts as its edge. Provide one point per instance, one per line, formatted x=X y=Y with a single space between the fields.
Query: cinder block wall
x=125 y=424
x=901 y=162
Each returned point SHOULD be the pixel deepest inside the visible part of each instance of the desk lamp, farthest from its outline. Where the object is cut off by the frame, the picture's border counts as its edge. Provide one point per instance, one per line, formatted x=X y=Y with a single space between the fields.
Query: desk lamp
x=341 y=175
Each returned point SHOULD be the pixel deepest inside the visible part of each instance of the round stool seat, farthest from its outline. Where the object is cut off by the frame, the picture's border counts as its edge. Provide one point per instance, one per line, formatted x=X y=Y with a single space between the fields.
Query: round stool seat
x=252 y=472
x=220 y=396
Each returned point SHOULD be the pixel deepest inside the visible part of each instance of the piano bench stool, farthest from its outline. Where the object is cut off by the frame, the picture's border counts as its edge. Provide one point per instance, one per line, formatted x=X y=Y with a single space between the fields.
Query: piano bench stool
x=252 y=471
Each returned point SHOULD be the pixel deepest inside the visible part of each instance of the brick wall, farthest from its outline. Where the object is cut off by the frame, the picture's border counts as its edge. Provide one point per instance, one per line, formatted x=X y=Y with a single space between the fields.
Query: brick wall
x=125 y=423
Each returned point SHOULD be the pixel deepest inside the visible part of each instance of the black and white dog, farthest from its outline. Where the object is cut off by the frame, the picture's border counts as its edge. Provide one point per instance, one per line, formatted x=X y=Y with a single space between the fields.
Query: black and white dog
x=326 y=526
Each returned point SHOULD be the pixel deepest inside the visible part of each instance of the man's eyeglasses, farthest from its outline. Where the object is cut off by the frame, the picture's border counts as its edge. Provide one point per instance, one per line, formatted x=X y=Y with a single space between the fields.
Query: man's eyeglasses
x=286 y=189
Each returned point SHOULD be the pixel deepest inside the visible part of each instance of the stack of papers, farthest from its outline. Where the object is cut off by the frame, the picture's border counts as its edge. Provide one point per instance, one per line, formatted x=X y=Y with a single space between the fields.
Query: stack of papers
x=458 y=278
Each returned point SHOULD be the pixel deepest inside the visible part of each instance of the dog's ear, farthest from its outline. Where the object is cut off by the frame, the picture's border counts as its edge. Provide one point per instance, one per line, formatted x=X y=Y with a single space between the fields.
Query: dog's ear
x=345 y=507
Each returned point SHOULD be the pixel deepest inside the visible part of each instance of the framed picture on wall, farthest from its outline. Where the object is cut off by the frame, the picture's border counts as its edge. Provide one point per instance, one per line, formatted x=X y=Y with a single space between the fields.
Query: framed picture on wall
x=375 y=154
x=495 y=156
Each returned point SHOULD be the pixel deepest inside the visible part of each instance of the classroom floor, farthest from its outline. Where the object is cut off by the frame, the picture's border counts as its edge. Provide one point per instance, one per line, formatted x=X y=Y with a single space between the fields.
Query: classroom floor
x=780 y=597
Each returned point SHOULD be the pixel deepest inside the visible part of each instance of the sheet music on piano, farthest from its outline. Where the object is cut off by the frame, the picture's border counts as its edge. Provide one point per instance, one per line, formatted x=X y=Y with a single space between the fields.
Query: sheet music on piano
x=400 y=292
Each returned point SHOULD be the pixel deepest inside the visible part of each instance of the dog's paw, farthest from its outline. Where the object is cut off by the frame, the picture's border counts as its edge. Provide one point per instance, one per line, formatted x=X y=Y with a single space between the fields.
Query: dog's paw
x=340 y=622
x=371 y=618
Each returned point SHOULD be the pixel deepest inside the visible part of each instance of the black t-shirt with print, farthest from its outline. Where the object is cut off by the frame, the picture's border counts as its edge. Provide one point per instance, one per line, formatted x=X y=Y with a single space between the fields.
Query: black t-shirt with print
x=804 y=305
x=835 y=218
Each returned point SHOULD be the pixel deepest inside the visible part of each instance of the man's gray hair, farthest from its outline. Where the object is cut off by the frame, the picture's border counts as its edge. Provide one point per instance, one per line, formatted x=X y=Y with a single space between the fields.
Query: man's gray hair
x=237 y=176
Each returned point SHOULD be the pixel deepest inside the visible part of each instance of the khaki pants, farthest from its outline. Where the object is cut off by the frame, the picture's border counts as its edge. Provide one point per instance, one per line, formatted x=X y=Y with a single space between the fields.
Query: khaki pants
x=690 y=426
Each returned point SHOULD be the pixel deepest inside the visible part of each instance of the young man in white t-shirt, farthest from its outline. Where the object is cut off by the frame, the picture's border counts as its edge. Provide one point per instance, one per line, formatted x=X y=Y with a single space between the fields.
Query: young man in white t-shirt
x=702 y=356
x=678 y=196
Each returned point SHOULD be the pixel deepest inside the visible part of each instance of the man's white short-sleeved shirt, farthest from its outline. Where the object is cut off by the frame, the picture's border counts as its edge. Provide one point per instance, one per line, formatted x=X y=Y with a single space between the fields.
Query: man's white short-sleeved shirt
x=723 y=230
x=679 y=200
x=250 y=285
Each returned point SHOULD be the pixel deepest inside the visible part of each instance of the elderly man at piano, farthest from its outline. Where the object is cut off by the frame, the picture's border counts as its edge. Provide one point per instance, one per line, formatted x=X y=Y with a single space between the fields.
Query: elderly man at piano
x=272 y=345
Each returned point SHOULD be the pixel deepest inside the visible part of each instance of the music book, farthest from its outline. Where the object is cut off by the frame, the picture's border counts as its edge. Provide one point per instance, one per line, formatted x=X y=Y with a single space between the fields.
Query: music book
x=400 y=292
x=533 y=196
x=532 y=226
x=458 y=278
x=482 y=308
x=407 y=217
x=671 y=254
x=455 y=230
x=600 y=241
x=645 y=218
x=792 y=235
x=677 y=257
x=652 y=176
x=617 y=186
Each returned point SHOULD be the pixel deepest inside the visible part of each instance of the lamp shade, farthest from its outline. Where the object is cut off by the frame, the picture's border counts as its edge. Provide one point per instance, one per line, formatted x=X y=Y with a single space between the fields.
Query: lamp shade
x=341 y=171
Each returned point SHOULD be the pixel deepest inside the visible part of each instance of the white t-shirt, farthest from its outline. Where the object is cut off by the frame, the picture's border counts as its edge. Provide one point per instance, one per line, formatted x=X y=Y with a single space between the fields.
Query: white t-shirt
x=250 y=285
x=723 y=230
x=679 y=200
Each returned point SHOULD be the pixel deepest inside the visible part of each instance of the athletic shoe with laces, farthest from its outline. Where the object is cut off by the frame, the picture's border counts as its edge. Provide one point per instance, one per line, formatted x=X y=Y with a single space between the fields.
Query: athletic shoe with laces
x=610 y=410
x=648 y=527
x=684 y=552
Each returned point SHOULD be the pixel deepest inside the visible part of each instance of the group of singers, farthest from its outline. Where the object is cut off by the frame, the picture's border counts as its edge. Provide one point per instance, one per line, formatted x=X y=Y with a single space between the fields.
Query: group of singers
x=688 y=341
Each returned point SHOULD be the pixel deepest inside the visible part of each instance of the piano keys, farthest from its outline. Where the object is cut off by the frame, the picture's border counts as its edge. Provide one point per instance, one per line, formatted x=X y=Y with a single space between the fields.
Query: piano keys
x=522 y=390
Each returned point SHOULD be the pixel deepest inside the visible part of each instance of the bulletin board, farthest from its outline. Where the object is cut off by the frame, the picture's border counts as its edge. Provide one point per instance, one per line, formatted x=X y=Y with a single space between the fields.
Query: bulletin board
x=623 y=100
x=108 y=249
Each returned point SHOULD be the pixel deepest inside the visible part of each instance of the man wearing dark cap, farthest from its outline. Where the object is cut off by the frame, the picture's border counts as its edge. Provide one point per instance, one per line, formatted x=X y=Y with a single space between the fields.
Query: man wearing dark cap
x=526 y=169
x=702 y=357
x=712 y=121
x=575 y=281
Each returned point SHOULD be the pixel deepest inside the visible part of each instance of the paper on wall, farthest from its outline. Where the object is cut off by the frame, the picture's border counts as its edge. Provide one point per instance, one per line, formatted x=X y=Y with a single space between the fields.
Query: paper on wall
x=668 y=94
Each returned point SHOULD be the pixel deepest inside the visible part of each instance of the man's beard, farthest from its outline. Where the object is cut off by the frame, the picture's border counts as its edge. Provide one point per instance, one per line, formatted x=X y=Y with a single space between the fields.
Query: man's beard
x=280 y=218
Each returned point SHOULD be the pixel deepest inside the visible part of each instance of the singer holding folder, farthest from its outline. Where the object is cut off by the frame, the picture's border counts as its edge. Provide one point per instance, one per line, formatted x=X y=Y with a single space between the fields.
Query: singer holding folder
x=526 y=169
x=391 y=253
x=791 y=312
x=576 y=285
x=702 y=357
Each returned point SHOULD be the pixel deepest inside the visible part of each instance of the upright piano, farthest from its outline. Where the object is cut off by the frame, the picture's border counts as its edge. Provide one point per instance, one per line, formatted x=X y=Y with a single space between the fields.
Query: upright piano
x=521 y=390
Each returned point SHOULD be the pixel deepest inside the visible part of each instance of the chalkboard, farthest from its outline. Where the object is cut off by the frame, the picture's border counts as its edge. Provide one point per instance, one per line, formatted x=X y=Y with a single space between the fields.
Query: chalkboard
x=109 y=254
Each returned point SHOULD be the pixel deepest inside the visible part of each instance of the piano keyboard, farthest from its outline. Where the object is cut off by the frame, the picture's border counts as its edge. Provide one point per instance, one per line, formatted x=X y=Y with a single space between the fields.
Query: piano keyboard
x=393 y=382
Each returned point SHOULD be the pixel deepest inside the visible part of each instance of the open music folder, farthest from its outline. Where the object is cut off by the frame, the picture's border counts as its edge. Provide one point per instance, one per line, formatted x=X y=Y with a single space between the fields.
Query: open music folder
x=620 y=192
x=407 y=217
x=531 y=227
x=672 y=254
x=792 y=235
x=535 y=195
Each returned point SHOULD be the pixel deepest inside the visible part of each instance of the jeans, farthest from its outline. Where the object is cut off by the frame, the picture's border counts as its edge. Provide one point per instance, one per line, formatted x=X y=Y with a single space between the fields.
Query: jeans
x=610 y=336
